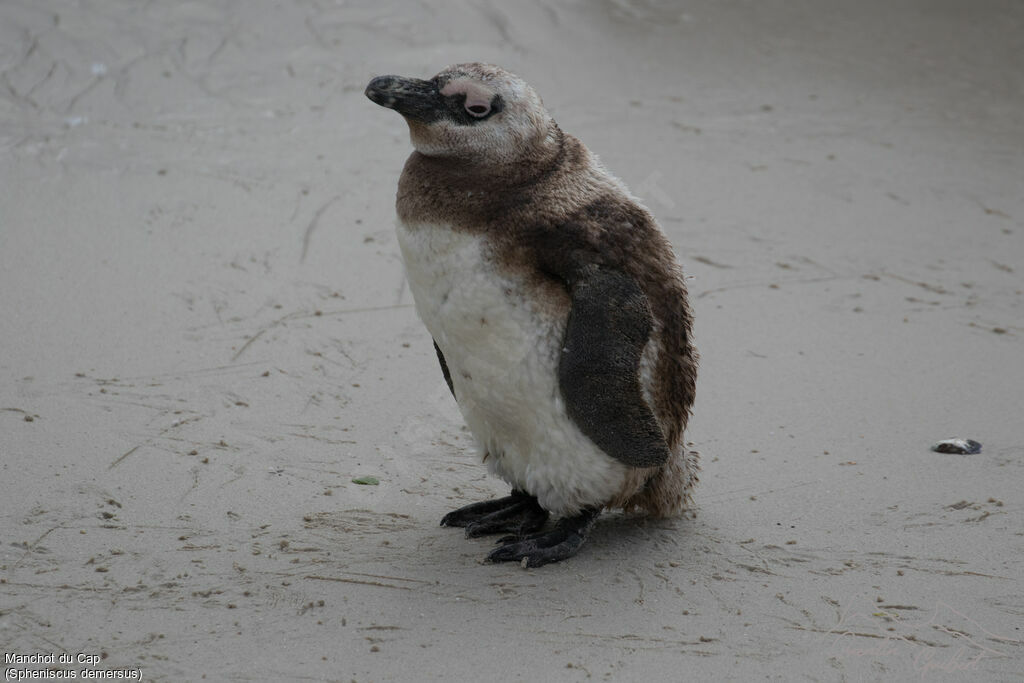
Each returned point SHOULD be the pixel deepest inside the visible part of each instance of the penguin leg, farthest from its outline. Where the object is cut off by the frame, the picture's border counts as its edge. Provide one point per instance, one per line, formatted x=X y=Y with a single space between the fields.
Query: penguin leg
x=553 y=546
x=519 y=514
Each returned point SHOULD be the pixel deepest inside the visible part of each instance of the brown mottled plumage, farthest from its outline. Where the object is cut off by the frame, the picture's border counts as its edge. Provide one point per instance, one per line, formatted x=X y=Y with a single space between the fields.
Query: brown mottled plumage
x=549 y=215
x=552 y=201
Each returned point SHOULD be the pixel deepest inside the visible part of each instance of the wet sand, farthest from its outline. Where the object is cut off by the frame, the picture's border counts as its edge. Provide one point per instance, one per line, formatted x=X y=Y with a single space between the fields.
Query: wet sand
x=207 y=336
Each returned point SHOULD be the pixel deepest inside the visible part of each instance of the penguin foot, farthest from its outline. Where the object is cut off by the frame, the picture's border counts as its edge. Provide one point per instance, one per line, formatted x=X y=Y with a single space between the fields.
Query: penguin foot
x=519 y=514
x=553 y=546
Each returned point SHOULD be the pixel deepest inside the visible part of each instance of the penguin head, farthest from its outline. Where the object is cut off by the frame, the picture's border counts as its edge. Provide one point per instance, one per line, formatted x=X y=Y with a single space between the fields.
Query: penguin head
x=470 y=112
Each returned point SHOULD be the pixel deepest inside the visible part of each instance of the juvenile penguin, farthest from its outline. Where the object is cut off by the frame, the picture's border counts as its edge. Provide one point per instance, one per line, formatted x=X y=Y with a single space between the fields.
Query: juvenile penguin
x=557 y=308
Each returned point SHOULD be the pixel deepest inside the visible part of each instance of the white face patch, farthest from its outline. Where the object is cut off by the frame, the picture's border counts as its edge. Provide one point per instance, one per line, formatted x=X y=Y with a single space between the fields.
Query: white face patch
x=521 y=127
x=478 y=98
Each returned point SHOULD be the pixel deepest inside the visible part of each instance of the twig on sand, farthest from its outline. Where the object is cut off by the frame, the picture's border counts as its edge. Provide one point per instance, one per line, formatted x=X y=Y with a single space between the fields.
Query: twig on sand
x=260 y=332
x=118 y=461
x=312 y=225
x=358 y=581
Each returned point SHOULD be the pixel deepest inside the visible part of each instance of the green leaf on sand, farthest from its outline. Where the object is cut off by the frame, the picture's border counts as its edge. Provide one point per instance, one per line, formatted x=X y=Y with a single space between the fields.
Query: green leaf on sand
x=366 y=481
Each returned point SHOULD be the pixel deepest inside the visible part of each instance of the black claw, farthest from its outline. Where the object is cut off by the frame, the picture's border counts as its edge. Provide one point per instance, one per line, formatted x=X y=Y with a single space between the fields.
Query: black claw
x=470 y=513
x=519 y=513
x=560 y=543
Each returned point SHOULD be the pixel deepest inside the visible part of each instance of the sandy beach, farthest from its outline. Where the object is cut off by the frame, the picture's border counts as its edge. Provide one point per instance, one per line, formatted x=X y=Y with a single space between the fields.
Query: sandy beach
x=206 y=337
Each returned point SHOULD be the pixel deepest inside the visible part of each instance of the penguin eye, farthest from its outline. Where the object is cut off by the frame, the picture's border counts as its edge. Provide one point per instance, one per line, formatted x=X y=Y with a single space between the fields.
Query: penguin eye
x=478 y=110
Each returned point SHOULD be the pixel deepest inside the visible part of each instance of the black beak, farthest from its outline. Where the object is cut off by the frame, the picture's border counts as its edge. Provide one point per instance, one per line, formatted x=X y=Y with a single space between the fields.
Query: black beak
x=411 y=97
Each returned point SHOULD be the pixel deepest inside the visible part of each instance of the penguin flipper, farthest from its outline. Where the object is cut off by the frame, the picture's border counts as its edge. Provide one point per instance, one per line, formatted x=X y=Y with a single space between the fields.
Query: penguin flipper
x=609 y=325
x=444 y=369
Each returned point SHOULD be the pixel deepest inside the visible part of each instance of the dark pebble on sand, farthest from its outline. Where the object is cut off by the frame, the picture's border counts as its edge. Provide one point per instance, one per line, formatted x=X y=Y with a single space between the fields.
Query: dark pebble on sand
x=959 y=446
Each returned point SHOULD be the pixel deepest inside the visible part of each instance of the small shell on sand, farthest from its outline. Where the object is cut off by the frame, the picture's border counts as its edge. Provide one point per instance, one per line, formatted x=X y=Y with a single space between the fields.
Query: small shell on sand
x=961 y=446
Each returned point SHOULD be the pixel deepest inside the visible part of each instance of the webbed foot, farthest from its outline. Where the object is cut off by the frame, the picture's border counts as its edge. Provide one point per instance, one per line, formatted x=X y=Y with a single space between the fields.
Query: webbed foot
x=517 y=514
x=552 y=546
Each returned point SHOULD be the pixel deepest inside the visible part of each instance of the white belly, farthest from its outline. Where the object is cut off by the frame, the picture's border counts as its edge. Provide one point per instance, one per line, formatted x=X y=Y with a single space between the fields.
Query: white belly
x=502 y=350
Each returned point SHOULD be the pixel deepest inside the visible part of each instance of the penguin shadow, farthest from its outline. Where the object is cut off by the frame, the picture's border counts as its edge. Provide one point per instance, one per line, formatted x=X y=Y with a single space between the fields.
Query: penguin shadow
x=628 y=541
x=631 y=537
x=692 y=545
x=617 y=540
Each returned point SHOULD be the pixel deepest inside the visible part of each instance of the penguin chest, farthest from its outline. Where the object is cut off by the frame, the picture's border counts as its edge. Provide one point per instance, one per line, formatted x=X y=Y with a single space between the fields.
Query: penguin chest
x=502 y=343
x=501 y=347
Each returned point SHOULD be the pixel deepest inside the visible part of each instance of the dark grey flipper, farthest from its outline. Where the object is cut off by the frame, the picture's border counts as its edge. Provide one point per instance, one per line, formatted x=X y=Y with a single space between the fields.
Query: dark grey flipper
x=560 y=543
x=609 y=325
x=518 y=514
x=444 y=369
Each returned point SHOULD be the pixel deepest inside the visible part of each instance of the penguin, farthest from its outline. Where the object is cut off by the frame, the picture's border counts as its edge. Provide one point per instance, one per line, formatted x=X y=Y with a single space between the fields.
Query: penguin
x=557 y=307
